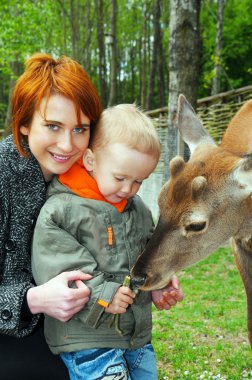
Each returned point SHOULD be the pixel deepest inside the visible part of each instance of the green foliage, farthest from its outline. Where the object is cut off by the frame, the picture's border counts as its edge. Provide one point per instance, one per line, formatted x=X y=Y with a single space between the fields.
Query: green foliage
x=23 y=30
x=237 y=51
x=25 y=27
x=205 y=336
x=70 y=28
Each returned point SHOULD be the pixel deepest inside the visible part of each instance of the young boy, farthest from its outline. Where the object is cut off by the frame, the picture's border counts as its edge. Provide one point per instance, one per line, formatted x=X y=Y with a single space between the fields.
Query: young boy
x=94 y=221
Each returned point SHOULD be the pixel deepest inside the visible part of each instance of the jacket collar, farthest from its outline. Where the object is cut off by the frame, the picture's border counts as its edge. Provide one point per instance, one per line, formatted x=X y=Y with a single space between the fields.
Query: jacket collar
x=78 y=180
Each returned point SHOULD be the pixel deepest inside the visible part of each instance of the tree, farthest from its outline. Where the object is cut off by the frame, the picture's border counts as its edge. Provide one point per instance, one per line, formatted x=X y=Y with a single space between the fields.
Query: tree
x=237 y=50
x=22 y=32
x=184 y=49
x=236 y=54
x=143 y=54
x=101 y=46
x=16 y=67
x=113 y=62
x=156 y=49
x=216 y=86
x=76 y=28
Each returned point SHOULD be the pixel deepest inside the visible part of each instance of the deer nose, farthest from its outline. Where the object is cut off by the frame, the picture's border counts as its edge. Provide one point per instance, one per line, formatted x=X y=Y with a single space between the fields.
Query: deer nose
x=138 y=281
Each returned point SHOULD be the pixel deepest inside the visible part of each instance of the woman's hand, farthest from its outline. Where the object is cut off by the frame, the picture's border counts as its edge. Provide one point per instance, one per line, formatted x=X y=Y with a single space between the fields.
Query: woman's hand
x=169 y=296
x=122 y=299
x=56 y=299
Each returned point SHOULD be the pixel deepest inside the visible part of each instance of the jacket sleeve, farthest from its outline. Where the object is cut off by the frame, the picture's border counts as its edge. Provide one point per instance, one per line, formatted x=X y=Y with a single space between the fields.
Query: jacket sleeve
x=55 y=249
x=13 y=287
x=12 y=322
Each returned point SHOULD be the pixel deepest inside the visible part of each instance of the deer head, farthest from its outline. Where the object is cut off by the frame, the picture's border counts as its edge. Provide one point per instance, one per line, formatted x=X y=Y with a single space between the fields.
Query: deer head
x=206 y=201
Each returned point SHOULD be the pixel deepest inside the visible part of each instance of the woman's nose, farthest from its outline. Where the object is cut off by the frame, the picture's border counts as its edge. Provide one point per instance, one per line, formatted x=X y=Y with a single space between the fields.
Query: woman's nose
x=65 y=143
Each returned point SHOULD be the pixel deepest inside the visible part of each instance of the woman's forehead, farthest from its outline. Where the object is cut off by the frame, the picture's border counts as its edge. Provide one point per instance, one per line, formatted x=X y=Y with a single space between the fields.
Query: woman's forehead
x=61 y=109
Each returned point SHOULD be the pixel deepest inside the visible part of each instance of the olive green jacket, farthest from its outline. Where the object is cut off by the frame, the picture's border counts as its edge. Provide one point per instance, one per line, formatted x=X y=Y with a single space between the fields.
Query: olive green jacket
x=75 y=233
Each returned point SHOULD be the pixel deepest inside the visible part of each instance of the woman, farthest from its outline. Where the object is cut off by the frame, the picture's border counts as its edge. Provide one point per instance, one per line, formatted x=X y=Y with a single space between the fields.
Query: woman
x=54 y=107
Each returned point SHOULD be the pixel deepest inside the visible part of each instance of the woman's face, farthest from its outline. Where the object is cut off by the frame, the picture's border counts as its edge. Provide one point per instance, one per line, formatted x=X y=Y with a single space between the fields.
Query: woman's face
x=54 y=136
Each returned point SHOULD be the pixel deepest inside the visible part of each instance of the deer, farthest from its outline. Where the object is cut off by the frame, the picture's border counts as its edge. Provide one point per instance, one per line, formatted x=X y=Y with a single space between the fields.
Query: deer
x=205 y=202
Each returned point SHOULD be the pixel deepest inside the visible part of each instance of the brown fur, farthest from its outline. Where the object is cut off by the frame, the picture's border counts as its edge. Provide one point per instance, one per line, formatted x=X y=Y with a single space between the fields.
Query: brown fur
x=238 y=136
x=206 y=201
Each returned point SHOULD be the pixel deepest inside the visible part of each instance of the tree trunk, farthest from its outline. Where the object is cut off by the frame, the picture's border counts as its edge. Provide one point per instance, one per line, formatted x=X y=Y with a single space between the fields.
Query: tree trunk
x=184 y=49
x=113 y=63
x=216 y=85
x=16 y=67
x=74 y=28
x=161 y=76
x=155 y=49
x=87 y=36
x=143 y=54
x=65 y=21
x=132 y=71
x=102 y=54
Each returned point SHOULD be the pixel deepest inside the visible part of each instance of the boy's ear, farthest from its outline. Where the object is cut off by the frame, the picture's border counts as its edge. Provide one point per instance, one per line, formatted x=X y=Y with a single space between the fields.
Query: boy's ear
x=88 y=160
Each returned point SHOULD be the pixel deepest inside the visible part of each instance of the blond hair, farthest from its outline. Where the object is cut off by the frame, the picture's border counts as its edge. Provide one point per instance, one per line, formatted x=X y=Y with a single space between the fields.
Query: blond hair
x=126 y=124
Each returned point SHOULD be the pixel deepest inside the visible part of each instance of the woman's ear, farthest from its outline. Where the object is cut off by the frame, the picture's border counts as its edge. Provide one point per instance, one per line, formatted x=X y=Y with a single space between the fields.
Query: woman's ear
x=88 y=160
x=24 y=130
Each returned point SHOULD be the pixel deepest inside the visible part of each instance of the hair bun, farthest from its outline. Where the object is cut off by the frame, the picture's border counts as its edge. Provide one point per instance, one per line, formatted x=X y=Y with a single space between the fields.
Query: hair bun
x=40 y=60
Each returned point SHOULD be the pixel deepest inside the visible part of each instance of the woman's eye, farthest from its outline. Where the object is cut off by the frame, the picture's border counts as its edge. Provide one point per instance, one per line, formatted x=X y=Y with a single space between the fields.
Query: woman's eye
x=195 y=227
x=80 y=130
x=139 y=182
x=119 y=179
x=53 y=127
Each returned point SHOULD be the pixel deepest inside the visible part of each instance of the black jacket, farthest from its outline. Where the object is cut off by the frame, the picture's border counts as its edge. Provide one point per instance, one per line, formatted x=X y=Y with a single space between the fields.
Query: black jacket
x=22 y=194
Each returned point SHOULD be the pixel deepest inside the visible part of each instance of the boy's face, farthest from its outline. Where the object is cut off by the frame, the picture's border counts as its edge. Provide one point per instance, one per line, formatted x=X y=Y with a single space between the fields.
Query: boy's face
x=118 y=170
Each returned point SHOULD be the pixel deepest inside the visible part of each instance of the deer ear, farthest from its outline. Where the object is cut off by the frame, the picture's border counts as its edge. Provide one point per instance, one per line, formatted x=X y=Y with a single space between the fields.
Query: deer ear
x=243 y=174
x=190 y=127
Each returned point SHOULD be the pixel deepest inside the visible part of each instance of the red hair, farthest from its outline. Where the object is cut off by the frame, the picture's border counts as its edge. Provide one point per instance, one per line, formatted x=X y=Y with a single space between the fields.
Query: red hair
x=44 y=76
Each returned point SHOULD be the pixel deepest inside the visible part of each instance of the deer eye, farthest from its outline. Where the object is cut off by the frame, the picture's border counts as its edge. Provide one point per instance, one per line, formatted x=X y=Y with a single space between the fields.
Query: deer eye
x=195 y=227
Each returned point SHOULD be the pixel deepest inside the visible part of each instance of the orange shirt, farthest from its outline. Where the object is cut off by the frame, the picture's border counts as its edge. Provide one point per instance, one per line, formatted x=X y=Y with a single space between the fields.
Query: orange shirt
x=81 y=183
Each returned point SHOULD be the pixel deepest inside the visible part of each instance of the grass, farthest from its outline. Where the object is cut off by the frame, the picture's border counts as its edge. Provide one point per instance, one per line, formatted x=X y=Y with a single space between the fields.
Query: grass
x=205 y=336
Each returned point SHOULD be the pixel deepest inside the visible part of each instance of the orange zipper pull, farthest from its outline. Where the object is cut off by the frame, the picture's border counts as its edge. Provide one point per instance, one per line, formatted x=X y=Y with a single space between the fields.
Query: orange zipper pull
x=110 y=236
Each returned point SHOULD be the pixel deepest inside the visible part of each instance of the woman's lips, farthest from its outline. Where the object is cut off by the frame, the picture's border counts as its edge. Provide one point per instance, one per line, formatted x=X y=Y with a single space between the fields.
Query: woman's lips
x=60 y=157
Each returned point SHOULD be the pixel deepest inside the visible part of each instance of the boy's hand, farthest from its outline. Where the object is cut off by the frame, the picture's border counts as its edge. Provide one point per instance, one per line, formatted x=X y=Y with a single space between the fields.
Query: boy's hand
x=169 y=296
x=122 y=299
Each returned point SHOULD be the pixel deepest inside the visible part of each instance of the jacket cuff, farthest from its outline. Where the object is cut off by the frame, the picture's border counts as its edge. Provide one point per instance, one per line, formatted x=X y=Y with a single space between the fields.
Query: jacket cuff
x=105 y=297
x=25 y=314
